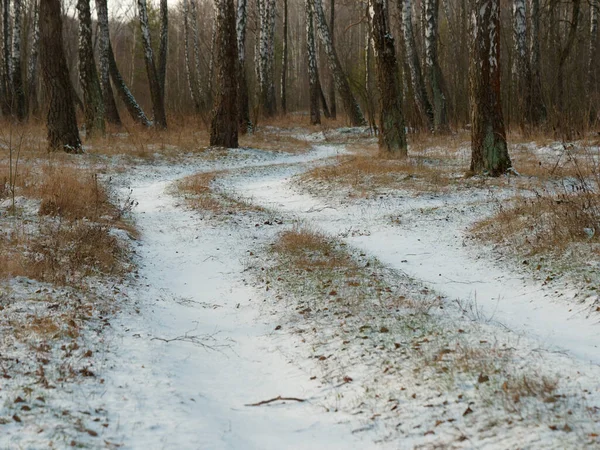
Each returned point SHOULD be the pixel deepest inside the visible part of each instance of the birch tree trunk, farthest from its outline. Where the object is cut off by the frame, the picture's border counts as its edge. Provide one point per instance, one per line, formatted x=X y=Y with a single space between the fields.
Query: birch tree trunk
x=332 y=105
x=521 y=67
x=88 y=76
x=267 y=43
x=351 y=106
x=434 y=72
x=156 y=93
x=538 y=108
x=191 y=79
x=32 y=74
x=284 y=58
x=392 y=132
x=243 y=101
x=18 y=87
x=61 y=121
x=489 y=153
x=6 y=69
x=315 y=113
x=414 y=65
x=135 y=110
x=224 y=125
x=110 y=106
x=194 y=18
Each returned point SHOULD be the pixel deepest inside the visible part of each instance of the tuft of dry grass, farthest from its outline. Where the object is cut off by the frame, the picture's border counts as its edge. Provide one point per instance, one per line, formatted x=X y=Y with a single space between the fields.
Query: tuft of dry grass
x=274 y=140
x=200 y=193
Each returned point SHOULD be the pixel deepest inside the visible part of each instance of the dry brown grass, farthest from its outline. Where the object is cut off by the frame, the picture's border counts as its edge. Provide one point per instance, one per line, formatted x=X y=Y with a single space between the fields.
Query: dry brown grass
x=265 y=139
x=199 y=192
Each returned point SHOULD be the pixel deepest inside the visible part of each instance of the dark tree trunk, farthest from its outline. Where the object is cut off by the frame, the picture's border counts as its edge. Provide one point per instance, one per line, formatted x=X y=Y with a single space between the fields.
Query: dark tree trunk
x=224 y=125
x=489 y=153
x=332 y=105
x=243 y=101
x=18 y=87
x=392 y=133
x=6 y=53
x=92 y=93
x=32 y=71
x=538 y=108
x=284 y=58
x=313 y=77
x=164 y=46
x=154 y=83
x=134 y=109
x=62 y=123
x=350 y=104
x=434 y=72
x=110 y=106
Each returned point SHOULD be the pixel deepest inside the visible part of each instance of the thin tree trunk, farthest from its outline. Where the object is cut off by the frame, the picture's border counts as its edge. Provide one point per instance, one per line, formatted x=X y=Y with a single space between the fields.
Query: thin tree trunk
x=224 y=125
x=211 y=67
x=156 y=93
x=88 y=77
x=538 y=109
x=284 y=58
x=392 y=132
x=565 y=52
x=194 y=18
x=135 y=110
x=62 y=123
x=592 y=78
x=243 y=101
x=18 y=87
x=110 y=106
x=434 y=72
x=33 y=63
x=311 y=52
x=322 y=97
x=7 y=104
x=489 y=151
x=350 y=104
x=332 y=105
x=164 y=46
x=416 y=76
x=267 y=43
x=191 y=79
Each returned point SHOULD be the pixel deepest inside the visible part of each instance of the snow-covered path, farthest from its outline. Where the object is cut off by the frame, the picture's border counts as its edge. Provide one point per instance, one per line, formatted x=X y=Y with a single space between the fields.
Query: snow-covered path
x=429 y=247
x=182 y=395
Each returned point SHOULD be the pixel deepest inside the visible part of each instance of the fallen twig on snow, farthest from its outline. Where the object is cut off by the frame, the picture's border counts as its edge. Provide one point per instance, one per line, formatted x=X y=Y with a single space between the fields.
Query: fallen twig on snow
x=278 y=398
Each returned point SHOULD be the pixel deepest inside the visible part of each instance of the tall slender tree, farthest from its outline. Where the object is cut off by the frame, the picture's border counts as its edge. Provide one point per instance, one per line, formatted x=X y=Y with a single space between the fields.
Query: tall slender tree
x=284 y=59
x=189 y=70
x=414 y=64
x=434 y=72
x=592 y=78
x=538 y=108
x=243 y=101
x=489 y=152
x=7 y=96
x=154 y=79
x=392 y=133
x=164 y=45
x=351 y=106
x=332 y=104
x=110 y=106
x=266 y=67
x=224 y=124
x=311 y=52
x=88 y=76
x=62 y=123
x=32 y=68
x=18 y=88
x=521 y=67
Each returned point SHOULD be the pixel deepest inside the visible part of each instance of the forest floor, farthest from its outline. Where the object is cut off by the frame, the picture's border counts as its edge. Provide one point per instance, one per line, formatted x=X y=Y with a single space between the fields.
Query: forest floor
x=301 y=292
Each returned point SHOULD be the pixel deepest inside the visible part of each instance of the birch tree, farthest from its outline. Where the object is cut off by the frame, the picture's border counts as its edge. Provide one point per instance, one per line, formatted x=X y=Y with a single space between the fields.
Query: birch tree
x=243 y=101
x=110 y=106
x=392 y=133
x=414 y=64
x=434 y=72
x=489 y=153
x=32 y=69
x=592 y=77
x=16 y=76
x=315 y=114
x=332 y=104
x=266 y=67
x=154 y=83
x=351 y=106
x=189 y=70
x=224 y=124
x=61 y=121
x=88 y=76
x=164 y=46
x=521 y=66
